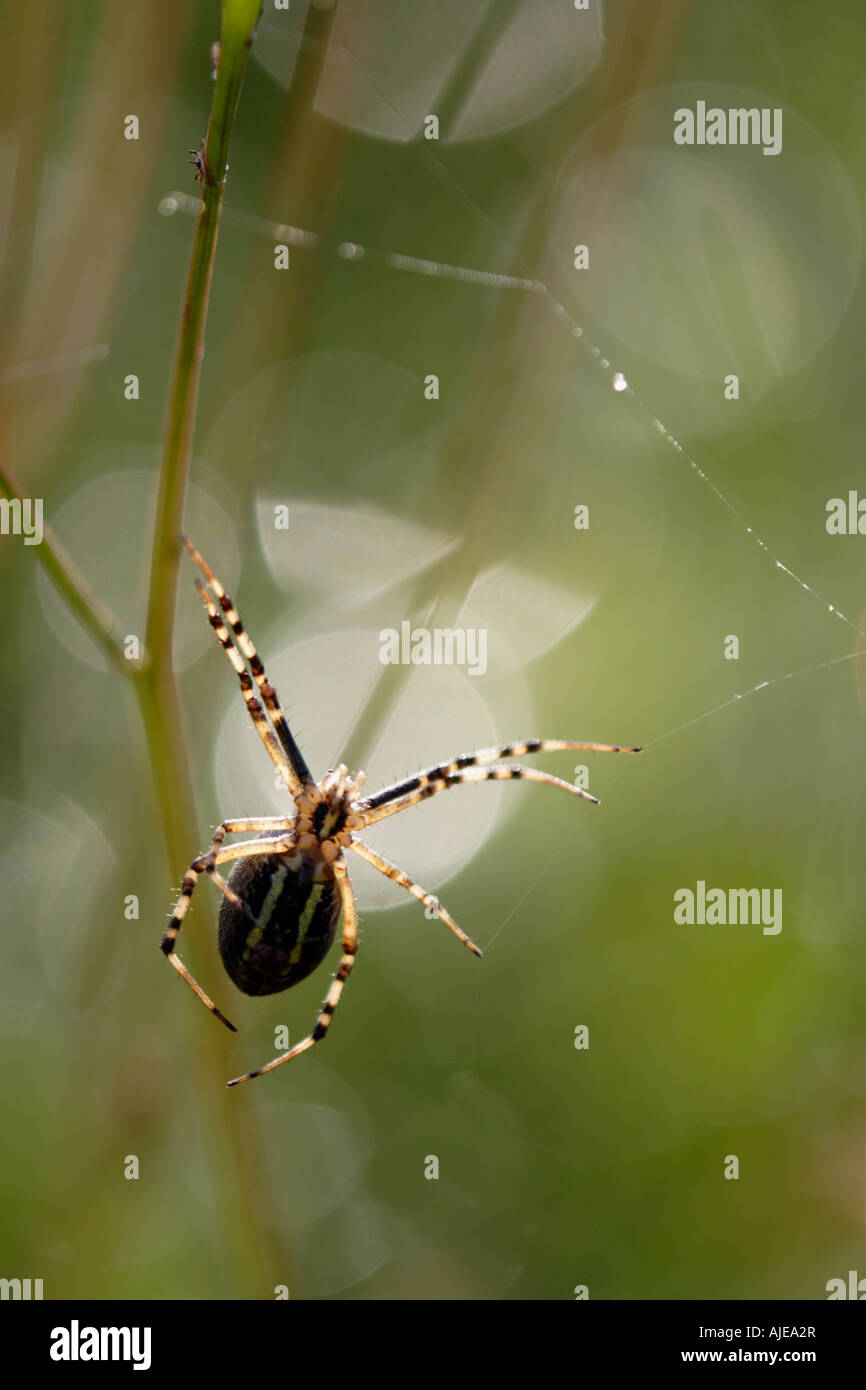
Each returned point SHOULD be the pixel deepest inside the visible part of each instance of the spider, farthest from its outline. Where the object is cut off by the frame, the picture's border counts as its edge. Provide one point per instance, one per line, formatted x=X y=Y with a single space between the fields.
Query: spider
x=290 y=883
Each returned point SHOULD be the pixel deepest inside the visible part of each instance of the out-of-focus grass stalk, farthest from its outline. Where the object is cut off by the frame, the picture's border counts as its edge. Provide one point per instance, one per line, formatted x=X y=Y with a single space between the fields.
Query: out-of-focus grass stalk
x=158 y=687
x=249 y=1252
x=87 y=606
x=248 y=1255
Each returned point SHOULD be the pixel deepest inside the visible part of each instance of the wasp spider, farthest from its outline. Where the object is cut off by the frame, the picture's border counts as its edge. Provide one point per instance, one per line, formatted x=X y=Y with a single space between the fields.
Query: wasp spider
x=290 y=883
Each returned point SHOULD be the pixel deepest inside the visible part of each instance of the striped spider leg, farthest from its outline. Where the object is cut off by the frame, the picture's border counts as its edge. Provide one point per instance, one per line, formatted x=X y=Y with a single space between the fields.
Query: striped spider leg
x=289 y=886
x=466 y=768
x=282 y=750
x=295 y=771
x=469 y=768
x=206 y=863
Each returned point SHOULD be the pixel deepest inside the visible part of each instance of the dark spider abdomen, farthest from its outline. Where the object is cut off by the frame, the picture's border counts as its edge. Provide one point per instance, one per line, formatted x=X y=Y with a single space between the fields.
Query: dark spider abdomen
x=295 y=901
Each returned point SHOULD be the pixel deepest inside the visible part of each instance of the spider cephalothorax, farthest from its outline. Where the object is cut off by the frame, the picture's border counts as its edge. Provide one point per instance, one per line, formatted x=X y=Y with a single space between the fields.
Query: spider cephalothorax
x=290 y=883
x=328 y=812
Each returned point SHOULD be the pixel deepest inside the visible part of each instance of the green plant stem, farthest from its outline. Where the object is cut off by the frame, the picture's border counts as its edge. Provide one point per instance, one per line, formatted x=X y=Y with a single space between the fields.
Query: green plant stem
x=239 y=18
x=158 y=694
x=99 y=621
x=251 y=1255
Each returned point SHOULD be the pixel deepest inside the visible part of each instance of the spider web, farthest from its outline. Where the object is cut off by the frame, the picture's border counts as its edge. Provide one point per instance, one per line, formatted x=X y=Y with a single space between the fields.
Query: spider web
x=621 y=387
x=623 y=383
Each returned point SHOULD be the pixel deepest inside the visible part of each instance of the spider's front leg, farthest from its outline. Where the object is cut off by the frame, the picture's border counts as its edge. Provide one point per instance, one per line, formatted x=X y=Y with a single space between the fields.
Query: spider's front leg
x=469 y=768
x=332 y=999
x=286 y=755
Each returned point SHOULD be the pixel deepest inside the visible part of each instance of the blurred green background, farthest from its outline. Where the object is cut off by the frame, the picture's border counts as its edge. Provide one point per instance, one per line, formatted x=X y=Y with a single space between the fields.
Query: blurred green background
x=557 y=1167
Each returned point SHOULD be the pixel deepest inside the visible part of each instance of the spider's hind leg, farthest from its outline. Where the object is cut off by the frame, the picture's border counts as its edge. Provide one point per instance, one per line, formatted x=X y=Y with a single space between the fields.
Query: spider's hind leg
x=332 y=999
x=170 y=936
x=206 y=864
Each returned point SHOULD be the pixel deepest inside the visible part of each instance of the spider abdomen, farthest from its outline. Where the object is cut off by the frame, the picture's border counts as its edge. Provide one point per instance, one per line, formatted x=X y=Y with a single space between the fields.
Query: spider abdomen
x=295 y=902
